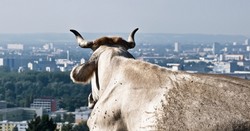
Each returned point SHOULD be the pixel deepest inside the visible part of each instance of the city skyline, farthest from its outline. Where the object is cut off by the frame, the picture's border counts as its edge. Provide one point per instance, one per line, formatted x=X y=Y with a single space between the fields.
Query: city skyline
x=163 y=16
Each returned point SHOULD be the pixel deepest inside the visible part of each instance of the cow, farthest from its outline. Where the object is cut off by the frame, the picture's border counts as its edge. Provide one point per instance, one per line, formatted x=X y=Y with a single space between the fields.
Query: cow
x=133 y=95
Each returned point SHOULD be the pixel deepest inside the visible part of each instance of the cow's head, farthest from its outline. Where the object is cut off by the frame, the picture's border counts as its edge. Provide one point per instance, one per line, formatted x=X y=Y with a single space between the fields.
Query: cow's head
x=84 y=73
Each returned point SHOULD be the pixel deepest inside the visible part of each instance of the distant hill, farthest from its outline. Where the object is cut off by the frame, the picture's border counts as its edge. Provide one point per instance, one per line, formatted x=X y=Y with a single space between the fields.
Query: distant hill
x=191 y=38
x=34 y=38
x=153 y=38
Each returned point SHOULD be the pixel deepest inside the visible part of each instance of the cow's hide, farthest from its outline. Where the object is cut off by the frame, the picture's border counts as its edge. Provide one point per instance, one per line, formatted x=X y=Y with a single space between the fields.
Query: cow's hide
x=133 y=95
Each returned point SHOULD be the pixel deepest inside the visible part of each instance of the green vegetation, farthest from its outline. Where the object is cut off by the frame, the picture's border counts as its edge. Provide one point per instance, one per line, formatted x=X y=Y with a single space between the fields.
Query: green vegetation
x=80 y=127
x=45 y=123
x=41 y=124
x=19 y=89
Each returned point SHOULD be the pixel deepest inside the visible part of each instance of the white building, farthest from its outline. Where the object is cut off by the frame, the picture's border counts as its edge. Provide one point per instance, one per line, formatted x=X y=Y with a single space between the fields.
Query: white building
x=1 y=61
x=174 y=66
x=237 y=57
x=64 y=62
x=248 y=48
x=221 y=67
x=176 y=47
x=82 y=114
x=30 y=66
x=59 y=125
x=82 y=61
x=247 y=42
x=48 y=46
x=9 y=125
x=15 y=46
x=225 y=67
x=50 y=105
x=208 y=49
x=201 y=59
x=61 y=112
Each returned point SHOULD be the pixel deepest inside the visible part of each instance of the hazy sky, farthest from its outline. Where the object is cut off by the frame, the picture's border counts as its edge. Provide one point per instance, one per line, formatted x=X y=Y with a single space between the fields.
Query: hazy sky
x=151 y=16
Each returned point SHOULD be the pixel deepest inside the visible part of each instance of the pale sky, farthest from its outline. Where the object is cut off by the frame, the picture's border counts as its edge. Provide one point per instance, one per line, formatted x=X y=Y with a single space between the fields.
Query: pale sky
x=151 y=16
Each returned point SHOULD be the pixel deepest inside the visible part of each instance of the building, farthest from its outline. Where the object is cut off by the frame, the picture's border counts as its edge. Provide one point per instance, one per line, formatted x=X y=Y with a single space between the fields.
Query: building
x=225 y=67
x=48 y=46
x=1 y=61
x=247 y=48
x=19 y=114
x=42 y=65
x=10 y=62
x=82 y=114
x=60 y=125
x=173 y=66
x=247 y=42
x=216 y=48
x=64 y=64
x=50 y=105
x=61 y=112
x=208 y=50
x=15 y=46
x=221 y=67
x=9 y=125
x=176 y=47
x=3 y=104
x=13 y=62
x=237 y=57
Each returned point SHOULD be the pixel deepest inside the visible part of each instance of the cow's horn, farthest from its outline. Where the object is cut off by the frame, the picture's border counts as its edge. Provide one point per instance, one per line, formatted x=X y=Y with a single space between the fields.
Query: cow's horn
x=131 y=40
x=80 y=40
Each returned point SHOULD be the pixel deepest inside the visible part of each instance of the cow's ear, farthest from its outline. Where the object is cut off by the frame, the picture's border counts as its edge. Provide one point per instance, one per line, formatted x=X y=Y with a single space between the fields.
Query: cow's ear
x=83 y=72
x=91 y=101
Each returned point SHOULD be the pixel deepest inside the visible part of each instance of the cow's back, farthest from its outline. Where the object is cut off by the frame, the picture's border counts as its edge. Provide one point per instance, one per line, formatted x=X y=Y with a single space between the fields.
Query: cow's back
x=143 y=96
x=184 y=101
x=206 y=102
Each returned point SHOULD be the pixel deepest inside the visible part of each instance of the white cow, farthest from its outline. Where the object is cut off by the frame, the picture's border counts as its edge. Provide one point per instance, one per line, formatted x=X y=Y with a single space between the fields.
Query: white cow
x=129 y=94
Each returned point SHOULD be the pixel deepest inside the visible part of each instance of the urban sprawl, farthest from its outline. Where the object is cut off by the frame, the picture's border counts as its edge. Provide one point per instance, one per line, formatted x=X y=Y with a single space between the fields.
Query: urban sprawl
x=229 y=58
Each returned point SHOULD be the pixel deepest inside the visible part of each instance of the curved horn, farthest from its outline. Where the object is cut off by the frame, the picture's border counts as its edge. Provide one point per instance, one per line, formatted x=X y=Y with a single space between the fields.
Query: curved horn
x=80 y=40
x=131 y=41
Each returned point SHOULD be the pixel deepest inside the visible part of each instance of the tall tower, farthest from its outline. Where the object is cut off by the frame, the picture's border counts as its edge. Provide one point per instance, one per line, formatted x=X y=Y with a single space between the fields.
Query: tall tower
x=216 y=48
x=67 y=54
x=176 y=47
x=247 y=42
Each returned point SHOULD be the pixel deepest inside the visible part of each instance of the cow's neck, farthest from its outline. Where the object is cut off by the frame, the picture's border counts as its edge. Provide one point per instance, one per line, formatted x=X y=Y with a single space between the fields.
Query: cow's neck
x=103 y=75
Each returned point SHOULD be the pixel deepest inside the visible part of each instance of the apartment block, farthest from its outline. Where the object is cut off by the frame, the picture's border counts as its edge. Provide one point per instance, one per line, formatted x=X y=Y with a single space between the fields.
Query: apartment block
x=49 y=104
x=3 y=104
x=10 y=125
x=82 y=114
x=19 y=114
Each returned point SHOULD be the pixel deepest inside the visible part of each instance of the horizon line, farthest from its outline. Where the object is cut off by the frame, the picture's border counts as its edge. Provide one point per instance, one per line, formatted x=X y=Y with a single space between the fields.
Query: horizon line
x=40 y=33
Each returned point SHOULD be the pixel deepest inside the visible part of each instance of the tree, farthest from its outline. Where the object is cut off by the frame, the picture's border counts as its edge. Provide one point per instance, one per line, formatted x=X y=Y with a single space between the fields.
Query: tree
x=4 y=69
x=44 y=124
x=57 y=118
x=9 y=86
x=67 y=127
x=69 y=118
x=15 y=128
x=20 y=89
x=81 y=127
x=43 y=78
